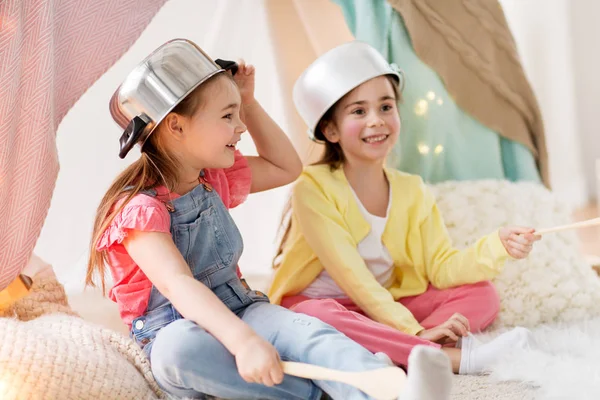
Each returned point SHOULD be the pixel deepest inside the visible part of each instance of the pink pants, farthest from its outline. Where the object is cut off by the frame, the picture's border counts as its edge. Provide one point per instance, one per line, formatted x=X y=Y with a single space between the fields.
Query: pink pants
x=478 y=302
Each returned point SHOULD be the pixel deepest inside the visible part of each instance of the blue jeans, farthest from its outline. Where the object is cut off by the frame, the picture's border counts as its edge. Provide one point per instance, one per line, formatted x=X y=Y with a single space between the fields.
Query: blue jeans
x=187 y=361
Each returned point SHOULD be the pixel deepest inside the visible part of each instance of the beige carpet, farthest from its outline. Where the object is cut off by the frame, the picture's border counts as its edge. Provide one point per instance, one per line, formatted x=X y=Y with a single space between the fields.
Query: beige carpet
x=482 y=388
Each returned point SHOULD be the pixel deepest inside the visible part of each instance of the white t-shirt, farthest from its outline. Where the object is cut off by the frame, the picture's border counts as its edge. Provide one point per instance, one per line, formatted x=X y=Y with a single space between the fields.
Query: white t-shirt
x=371 y=249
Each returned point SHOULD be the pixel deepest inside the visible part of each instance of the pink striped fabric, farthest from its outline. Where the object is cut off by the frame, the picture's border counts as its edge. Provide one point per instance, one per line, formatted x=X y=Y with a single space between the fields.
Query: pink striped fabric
x=51 y=52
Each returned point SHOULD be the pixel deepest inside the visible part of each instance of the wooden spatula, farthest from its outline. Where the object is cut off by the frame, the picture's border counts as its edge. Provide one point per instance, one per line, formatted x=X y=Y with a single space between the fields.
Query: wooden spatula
x=582 y=224
x=381 y=384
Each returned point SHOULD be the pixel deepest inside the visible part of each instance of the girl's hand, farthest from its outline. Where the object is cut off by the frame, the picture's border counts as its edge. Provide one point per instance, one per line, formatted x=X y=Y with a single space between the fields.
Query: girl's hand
x=448 y=332
x=244 y=78
x=258 y=362
x=518 y=241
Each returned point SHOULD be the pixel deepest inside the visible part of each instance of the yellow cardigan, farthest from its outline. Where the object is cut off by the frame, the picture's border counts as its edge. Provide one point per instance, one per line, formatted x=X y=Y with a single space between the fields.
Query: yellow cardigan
x=327 y=226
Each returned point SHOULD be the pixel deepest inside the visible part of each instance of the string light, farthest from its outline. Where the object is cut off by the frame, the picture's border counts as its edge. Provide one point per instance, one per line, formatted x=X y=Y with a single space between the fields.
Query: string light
x=421 y=107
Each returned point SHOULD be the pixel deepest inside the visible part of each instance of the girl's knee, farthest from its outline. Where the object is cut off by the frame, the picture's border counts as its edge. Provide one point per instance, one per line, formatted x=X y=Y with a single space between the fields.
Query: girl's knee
x=322 y=309
x=176 y=345
x=487 y=297
x=490 y=295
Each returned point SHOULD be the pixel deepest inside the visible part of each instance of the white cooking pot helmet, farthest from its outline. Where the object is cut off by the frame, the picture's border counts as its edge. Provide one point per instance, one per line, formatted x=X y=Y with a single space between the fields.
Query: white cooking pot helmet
x=333 y=75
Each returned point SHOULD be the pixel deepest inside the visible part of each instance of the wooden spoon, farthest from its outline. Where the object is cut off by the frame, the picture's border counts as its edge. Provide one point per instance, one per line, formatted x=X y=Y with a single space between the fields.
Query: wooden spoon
x=381 y=384
x=582 y=224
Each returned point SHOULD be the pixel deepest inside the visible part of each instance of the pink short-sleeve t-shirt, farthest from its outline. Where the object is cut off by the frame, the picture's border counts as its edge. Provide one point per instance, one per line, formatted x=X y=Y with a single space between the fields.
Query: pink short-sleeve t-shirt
x=131 y=289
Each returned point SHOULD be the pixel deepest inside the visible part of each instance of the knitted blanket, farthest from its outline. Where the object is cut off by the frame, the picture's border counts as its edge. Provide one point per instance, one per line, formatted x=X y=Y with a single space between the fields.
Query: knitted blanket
x=48 y=352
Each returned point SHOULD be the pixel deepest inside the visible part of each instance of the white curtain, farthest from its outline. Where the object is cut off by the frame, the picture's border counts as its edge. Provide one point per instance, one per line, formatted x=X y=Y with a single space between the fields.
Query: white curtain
x=544 y=36
x=586 y=55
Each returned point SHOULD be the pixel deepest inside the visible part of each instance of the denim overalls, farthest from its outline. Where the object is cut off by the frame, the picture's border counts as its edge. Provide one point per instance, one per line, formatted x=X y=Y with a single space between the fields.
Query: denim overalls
x=189 y=362
x=211 y=244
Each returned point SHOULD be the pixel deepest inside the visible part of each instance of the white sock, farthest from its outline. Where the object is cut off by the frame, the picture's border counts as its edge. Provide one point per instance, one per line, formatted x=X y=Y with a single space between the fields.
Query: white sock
x=479 y=358
x=429 y=375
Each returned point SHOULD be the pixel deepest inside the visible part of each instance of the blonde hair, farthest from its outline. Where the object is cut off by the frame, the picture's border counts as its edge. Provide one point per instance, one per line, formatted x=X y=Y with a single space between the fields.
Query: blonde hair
x=155 y=166
x=333 y=156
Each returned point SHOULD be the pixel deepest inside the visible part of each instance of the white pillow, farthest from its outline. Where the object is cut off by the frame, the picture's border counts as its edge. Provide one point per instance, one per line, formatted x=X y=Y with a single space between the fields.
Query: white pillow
x=555 y=283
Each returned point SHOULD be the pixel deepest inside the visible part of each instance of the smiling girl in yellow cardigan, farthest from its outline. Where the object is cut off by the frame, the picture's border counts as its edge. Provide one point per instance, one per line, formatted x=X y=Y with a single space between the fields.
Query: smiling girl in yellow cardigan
x=367 y=250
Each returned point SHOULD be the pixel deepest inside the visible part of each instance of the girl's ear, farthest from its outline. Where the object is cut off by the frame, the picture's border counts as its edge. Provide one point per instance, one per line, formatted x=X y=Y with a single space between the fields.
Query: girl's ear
x=330 y=131
x=173 y=124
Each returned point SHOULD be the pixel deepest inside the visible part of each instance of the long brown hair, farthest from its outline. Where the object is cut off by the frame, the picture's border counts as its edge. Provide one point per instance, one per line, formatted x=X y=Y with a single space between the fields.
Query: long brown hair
x=155 y=166
x=333 y=155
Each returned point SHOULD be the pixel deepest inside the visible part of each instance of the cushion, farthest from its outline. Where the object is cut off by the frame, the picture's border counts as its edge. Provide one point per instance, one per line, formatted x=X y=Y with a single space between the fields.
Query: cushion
x=555 y=283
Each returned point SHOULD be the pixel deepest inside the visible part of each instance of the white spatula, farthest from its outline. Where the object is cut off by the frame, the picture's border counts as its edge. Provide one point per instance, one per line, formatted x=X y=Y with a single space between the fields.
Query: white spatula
x=381 y=384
